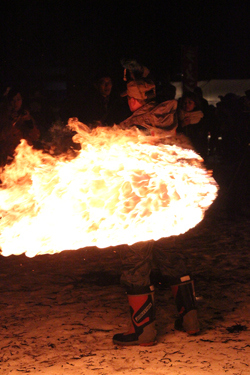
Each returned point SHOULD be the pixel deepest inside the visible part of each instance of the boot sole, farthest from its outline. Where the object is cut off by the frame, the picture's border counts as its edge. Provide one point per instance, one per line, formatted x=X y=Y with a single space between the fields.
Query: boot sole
x=147 y=338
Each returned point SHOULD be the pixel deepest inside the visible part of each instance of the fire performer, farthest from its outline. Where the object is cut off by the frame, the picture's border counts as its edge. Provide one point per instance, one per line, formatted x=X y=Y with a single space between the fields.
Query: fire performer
x=138 y=259
x=124 y=186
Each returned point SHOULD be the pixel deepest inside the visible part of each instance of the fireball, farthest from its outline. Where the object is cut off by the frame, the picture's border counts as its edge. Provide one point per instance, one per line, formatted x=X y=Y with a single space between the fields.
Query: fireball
x=121 y=187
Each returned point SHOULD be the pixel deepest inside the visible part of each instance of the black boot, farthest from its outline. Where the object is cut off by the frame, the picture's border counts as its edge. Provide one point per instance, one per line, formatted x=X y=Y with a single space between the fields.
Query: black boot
x=184 y=296
x=142 y=309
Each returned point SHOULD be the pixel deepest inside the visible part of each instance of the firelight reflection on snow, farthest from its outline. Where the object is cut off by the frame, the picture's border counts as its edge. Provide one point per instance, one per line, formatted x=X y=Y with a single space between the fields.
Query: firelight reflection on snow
x=122 y=187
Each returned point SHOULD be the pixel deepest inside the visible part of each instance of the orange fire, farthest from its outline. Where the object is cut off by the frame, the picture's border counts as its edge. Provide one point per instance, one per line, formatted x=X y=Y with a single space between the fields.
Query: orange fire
x=121 y=187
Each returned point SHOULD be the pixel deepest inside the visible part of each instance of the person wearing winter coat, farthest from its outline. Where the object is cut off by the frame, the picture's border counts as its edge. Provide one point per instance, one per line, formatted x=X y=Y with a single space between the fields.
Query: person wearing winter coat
x=138 y=259
x=102 y=105
x=16 y=124
x=190 y=119
x=146 y=112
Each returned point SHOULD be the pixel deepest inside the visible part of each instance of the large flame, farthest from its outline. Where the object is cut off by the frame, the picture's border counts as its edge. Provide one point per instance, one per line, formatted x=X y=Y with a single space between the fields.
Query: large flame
x=121 y=187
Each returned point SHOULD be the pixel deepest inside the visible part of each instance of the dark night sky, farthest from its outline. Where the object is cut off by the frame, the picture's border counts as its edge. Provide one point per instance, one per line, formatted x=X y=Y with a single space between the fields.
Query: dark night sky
x=85 y=35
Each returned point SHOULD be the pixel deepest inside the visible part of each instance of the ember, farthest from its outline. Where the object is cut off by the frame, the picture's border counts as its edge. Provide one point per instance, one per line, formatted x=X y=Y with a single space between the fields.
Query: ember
x=122 y=187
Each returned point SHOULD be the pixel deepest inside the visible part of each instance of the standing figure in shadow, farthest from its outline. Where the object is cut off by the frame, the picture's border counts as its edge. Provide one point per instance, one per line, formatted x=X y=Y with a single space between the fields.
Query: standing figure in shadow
x=102 y=105
x=16 y=123
x=191 y=123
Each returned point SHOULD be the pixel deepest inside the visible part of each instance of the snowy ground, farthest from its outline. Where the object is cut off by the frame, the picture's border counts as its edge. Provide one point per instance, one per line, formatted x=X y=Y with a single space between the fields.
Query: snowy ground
x=59 y=312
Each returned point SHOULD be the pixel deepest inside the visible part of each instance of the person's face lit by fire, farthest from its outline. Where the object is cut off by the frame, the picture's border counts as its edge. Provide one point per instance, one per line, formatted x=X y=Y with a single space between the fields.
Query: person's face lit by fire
x=188 y=105
x=105 y=86
x=16 y=102
x=134 y=104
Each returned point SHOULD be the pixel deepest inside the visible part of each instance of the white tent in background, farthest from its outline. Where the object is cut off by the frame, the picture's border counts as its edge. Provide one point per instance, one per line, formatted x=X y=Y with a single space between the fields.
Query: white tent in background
x=216 y=87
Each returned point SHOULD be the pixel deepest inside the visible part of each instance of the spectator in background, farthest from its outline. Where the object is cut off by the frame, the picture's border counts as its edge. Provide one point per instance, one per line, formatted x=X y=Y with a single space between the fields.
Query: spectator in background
x=202 y=102
x=209 y=120
x=233 y=114
x=244 y=119
x=228 y=116
x=102 y=106
x=246 y=100
x=40 y=110
x=190 y=119
x=16 y=124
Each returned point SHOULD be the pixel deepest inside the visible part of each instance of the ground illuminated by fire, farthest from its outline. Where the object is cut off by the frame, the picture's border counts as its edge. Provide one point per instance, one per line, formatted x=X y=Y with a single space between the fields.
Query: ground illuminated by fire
x=121 y=187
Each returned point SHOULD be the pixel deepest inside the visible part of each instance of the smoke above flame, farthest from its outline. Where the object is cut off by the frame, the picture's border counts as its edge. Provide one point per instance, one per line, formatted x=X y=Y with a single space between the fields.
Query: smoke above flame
x=121 y=187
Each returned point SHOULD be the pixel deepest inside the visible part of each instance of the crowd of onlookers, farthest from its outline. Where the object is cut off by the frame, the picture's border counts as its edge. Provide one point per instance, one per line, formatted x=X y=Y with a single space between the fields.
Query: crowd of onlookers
x=220 y=132
x=223 y=130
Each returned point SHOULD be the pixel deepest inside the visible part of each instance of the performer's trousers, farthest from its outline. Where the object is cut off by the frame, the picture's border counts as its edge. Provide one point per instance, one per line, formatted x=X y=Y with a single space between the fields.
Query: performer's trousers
x=139 y=259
